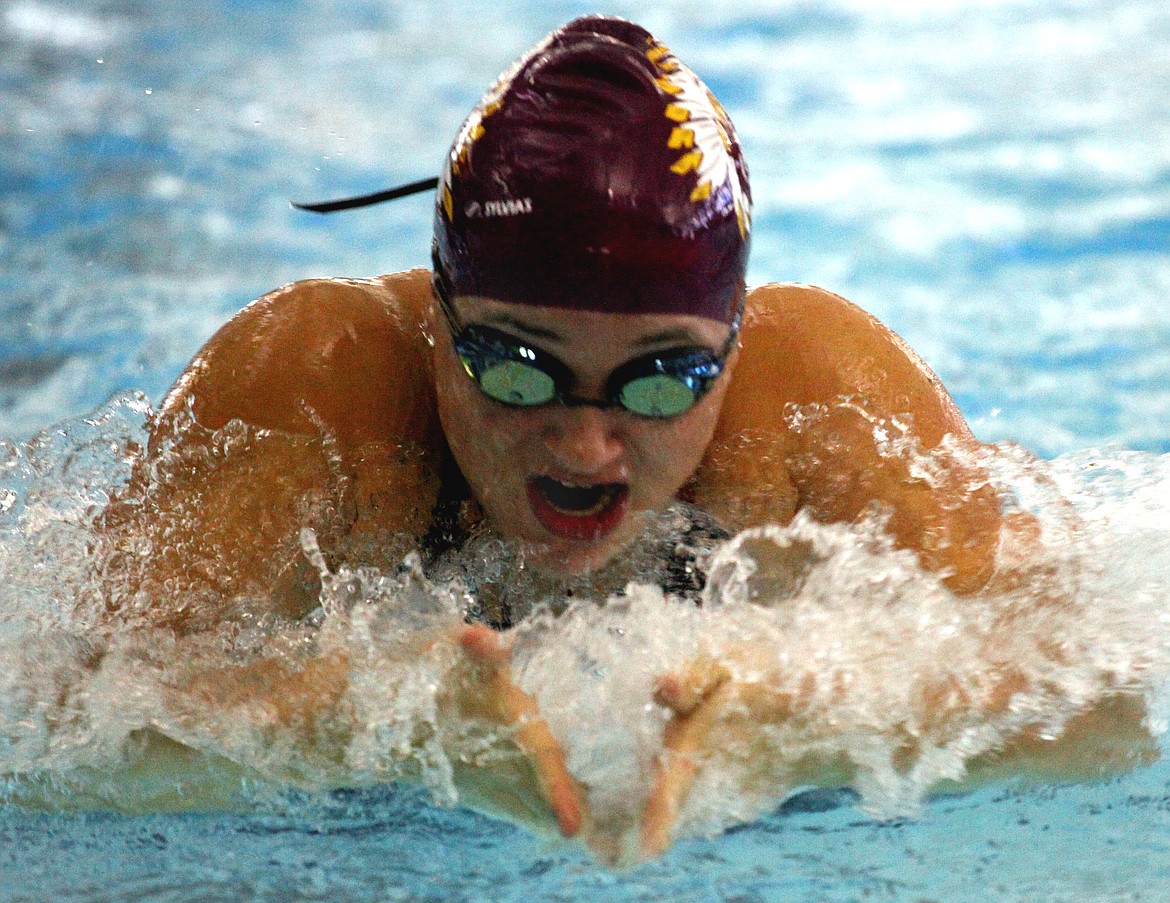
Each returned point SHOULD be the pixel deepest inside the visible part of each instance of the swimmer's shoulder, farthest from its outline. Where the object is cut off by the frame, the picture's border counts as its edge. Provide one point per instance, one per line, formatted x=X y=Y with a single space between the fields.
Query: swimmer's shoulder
x=805 y=345
x=332 y=378
x=348 y=357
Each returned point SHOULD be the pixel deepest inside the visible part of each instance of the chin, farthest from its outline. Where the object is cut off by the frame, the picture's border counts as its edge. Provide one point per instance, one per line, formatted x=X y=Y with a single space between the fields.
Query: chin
x=569 y=561
x=546 y=553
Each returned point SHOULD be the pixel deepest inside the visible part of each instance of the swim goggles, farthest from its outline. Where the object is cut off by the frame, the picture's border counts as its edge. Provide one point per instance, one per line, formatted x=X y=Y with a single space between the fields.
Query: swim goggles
x=515 y=373
x=518 y=374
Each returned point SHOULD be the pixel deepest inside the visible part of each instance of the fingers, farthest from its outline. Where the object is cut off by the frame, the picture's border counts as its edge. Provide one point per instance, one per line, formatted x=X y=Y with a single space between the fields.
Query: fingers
x=671 y=785
x=511 y=706
x=697 y=701
x=560 y=790
x=683 y=693
x=484 y=645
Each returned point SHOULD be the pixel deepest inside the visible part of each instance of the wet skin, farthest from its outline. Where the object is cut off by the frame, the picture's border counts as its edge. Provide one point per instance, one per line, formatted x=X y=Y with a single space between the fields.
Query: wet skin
x=338 y=389
x=508 y=455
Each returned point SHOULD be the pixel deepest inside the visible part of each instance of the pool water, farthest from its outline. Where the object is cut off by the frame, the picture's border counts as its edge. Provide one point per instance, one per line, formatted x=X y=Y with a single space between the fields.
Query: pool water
x=992 y=179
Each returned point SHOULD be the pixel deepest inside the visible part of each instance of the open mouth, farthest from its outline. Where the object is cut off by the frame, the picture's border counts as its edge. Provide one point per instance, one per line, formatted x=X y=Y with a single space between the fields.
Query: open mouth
x=576 y=511
x=569 y=498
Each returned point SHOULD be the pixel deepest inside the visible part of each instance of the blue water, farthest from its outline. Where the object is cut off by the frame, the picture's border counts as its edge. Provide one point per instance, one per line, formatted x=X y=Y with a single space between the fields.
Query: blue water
x=990 y=178
x=1056 y=844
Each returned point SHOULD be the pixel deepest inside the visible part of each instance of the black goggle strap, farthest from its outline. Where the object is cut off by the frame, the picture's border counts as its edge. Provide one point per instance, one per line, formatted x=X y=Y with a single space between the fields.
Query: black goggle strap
x=366 y=200
x=736 y=322
x=440 y=284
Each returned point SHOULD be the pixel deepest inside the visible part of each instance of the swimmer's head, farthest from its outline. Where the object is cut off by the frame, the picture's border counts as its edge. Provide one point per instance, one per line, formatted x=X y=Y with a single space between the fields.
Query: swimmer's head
x=598 y=174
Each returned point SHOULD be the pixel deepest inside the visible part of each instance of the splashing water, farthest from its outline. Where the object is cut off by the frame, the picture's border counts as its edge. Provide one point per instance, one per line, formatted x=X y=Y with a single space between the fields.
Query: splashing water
x=870 y=661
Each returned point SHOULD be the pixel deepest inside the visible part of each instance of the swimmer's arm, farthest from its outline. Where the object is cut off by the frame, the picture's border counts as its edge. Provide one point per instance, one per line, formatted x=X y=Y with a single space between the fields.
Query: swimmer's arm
x=296 y=697
x=503 y=702
x=309 y=700
x=1109 y=738
x=710 y=709
x=347 y=357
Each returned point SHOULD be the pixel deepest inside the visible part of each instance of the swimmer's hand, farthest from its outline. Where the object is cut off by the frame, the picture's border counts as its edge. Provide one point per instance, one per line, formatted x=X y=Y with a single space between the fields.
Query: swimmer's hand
x=699 y=699
x=695 y=699
x=510 y=706
x=712 y=710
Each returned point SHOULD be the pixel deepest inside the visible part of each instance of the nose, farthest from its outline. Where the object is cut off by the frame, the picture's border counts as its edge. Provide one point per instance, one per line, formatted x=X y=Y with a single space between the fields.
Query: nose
x=584 y=440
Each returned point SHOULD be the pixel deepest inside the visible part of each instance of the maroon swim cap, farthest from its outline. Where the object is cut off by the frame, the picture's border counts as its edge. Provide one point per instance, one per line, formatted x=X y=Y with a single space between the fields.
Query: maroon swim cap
x=599 y=174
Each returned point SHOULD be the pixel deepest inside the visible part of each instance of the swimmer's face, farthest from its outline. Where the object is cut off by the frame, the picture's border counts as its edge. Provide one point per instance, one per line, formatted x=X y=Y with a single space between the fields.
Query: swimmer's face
x=573 y=485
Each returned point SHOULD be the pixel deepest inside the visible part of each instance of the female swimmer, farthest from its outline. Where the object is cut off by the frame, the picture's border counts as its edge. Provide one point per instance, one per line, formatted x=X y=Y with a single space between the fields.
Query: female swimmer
x=583 y=380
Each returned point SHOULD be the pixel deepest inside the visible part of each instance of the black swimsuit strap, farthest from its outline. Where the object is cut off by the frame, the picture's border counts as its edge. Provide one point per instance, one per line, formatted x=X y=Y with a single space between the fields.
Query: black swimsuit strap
x=683 y=575
x=447 y=532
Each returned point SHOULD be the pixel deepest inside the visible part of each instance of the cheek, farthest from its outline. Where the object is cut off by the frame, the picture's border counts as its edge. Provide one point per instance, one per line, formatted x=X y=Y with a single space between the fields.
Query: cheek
x=482 y=436
x=671 y=452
